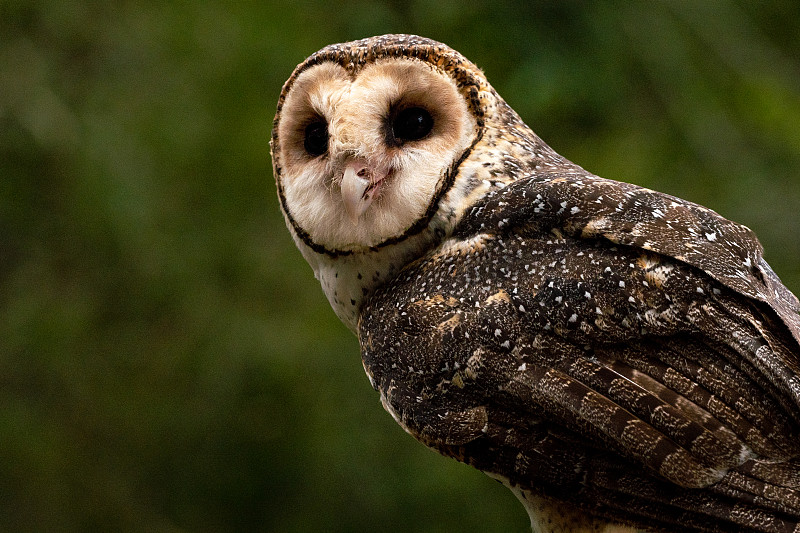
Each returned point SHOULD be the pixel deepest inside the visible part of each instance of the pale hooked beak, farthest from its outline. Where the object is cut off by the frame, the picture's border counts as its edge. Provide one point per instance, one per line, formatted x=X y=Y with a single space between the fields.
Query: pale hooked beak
x=359 y=185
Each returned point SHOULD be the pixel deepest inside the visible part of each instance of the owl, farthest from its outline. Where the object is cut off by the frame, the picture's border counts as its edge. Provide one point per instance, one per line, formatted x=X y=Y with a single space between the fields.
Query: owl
x=621 y=359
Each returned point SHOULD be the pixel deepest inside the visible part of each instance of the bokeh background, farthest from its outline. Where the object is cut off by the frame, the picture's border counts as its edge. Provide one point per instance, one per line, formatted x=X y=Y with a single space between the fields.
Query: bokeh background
x=167 y=361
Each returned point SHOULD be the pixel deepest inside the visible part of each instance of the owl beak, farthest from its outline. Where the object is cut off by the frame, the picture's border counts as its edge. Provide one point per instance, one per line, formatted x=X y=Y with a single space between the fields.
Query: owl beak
x=359 y=185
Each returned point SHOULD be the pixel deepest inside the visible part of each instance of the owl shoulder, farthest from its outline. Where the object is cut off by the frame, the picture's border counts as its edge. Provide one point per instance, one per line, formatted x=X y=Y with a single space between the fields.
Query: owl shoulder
x=585 y=206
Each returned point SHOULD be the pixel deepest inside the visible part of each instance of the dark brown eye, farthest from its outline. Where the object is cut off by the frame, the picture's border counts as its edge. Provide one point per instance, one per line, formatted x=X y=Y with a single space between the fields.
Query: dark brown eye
x=411 y=124
x=316 y=139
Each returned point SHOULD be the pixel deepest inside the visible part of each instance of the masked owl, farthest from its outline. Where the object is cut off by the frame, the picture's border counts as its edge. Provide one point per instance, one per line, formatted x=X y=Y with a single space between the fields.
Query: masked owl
x=621 y=359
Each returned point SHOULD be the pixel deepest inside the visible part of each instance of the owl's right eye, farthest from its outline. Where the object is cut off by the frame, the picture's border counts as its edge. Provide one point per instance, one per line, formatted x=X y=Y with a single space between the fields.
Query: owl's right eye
x=316 y=138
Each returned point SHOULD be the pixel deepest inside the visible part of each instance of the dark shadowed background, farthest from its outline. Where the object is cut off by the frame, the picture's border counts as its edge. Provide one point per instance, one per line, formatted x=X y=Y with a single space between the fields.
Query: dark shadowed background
x=167 y=361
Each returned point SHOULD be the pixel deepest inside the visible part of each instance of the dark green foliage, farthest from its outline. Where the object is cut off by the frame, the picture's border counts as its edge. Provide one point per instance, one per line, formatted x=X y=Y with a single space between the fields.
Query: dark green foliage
x=168 y=363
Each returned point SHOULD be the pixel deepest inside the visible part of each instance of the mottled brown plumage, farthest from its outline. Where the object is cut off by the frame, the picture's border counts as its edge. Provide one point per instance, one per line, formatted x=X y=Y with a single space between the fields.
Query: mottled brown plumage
x=613 y=354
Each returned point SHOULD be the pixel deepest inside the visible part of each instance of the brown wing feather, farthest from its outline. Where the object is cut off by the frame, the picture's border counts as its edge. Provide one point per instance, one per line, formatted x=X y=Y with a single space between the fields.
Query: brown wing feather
x=563 y=362
x=583 y=205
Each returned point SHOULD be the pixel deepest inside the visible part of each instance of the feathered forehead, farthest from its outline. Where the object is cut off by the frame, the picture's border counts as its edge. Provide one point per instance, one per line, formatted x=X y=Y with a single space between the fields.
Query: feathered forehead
x=355 y=55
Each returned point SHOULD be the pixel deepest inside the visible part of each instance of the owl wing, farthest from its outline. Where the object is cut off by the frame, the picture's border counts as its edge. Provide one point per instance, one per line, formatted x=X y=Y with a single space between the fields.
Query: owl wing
x=602 y=344
x=584 y=206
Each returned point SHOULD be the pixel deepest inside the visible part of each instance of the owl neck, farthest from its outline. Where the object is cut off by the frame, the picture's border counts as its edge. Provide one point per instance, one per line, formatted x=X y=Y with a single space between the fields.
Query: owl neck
x=348 y=280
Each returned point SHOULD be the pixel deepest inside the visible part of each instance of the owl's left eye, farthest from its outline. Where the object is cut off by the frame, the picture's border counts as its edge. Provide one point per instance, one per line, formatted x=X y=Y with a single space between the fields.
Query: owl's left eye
x=411 y=124
x=316 y=138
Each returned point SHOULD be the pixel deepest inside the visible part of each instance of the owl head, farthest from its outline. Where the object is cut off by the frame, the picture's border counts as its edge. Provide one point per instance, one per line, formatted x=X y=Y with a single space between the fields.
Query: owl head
x=379 y=145
x=369 y=136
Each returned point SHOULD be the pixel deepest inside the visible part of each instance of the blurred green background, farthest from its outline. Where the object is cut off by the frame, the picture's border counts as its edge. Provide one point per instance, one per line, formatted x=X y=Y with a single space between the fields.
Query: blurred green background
x=167 y=361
